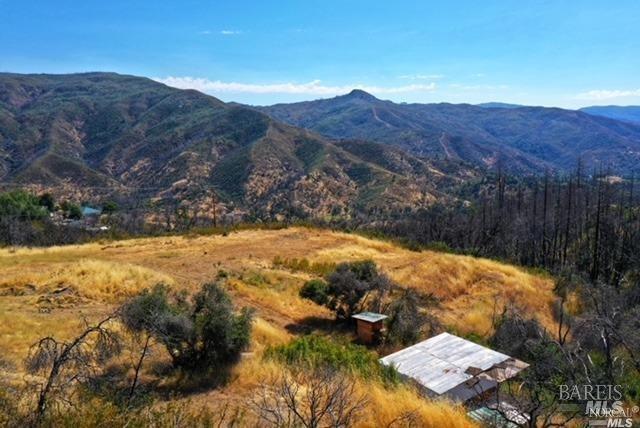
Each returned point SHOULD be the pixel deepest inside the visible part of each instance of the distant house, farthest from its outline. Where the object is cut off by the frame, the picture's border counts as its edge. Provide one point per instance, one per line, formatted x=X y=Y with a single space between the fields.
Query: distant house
x=450 y=366
x=369 y=326
x=88 y=211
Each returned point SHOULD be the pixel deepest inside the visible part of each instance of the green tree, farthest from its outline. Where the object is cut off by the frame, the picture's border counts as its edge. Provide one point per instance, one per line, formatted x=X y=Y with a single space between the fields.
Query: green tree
x=109 y=207
x=316 y=291
x=205 y=333
x=356 y=286
x=46 y=200
x=72 y=211
x=21 y=205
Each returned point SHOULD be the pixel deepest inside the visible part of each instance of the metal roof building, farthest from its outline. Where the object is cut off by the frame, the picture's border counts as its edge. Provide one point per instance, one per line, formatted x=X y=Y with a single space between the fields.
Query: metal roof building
x=450 y=365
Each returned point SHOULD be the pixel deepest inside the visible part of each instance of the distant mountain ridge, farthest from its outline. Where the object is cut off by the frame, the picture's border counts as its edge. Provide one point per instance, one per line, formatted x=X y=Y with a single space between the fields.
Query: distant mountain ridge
x=500 y=105
x=522 y=140
x=624 y=113
x=108 y=135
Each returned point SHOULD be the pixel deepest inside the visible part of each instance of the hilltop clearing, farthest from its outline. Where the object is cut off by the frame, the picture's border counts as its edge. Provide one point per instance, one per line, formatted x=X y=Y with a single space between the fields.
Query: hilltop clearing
x=51 y=291
x=469 y=291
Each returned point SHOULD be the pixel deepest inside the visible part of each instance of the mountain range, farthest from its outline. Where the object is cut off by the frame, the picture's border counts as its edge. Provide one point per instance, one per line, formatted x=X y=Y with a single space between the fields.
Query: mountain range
x=521 y=140
x=93 y=136
x=625 y=113
x=98 y=135
x=500 y=105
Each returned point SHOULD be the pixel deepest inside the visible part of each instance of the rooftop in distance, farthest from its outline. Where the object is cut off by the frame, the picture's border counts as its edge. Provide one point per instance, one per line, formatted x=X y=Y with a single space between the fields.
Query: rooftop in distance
x=370 y=316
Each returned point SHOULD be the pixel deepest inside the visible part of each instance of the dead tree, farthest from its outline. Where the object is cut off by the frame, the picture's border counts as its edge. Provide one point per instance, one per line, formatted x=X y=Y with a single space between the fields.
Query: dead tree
x=65 y=364
x=138 y=367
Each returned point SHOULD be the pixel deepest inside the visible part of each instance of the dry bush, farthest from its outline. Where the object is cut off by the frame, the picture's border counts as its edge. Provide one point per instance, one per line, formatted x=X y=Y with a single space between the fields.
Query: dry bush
x=401 y=406
x=309 y=398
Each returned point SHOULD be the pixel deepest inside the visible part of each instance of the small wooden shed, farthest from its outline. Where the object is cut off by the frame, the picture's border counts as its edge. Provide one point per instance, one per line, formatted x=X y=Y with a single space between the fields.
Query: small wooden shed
x=370 y=326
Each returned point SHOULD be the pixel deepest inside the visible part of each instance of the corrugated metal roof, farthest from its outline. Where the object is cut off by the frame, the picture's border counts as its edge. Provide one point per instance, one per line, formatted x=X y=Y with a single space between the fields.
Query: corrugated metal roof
x=441 y=362
x=491 y=417
x=369 y=316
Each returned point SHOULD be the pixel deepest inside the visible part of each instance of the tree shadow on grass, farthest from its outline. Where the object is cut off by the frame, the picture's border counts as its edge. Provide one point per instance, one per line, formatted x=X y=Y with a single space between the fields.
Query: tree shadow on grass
x=313 y=324
x=161 y=381
x=194 y=381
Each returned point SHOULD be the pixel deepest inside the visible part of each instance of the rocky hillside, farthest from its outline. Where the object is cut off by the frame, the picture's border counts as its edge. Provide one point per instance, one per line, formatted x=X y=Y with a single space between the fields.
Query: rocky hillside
x=129 y=138
x=523 y=140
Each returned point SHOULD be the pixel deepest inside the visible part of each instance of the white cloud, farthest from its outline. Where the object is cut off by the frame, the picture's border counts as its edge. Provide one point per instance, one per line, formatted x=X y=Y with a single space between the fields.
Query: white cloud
x=314 y=87
x=230 y=32
x=606 y=94
x=205 y=32
x=478 y=87
x=422 y=76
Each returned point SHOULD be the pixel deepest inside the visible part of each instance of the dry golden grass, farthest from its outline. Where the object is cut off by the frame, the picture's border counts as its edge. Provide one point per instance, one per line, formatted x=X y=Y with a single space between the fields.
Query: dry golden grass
x=265 y=334
x=471 y=290
x=383 y=405
x=22 y=323
x=99 y=280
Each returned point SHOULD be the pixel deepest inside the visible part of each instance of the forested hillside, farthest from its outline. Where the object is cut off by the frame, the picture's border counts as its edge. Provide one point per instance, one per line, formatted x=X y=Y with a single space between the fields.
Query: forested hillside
x=98 y=136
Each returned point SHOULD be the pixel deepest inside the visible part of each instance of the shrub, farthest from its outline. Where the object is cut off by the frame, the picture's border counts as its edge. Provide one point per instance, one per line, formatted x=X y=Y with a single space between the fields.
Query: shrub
x=440 y=246
x=315 y=352
x=304 y=265
x=406 y=322
x=221 y=335
x=205 y=333
x=316 y=291
x=352 y=284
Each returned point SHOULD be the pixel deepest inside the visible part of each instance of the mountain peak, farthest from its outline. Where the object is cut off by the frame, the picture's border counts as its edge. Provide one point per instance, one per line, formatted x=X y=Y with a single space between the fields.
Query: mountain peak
x=360 y=94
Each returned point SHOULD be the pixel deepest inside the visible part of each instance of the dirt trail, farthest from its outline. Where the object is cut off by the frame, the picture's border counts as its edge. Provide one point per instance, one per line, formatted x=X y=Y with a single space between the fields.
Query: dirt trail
x=443 y=142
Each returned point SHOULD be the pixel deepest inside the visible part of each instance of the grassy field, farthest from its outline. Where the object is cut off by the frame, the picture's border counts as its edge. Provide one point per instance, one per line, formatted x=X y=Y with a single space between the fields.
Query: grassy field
x=50 y=291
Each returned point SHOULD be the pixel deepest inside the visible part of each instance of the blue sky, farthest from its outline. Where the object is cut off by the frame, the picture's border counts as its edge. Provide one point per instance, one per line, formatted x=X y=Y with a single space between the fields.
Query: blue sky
x=555 y=53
